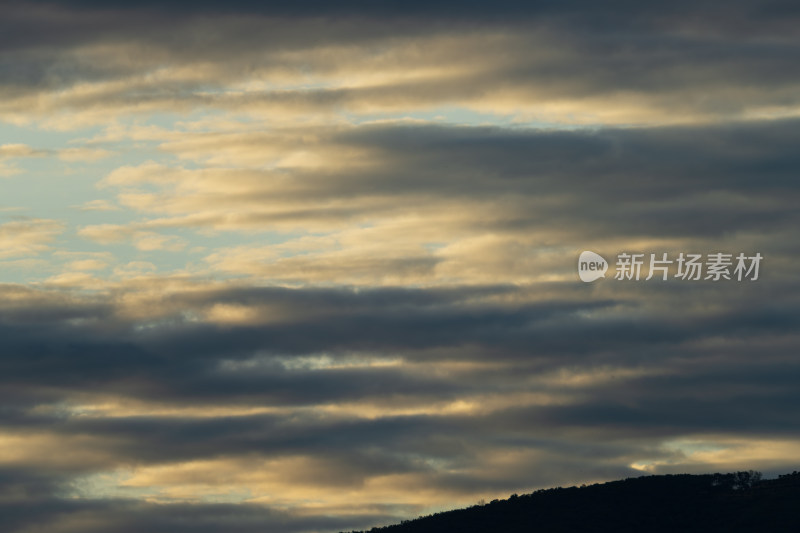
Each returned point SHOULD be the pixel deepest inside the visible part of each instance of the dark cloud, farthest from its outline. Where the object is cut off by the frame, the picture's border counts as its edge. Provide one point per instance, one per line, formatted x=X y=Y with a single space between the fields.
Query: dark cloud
x=449 y=9
x=456 y=389
x=701 y=182
x=703 y=359
x=60 y=515
x=694 y=388
x=685 y=60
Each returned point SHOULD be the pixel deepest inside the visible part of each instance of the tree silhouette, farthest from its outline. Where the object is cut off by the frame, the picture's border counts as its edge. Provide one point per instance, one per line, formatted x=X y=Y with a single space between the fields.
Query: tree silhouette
x=734 y=502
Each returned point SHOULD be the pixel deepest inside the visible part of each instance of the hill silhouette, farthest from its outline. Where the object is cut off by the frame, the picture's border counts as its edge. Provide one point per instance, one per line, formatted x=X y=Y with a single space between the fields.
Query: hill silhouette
x=735 y=502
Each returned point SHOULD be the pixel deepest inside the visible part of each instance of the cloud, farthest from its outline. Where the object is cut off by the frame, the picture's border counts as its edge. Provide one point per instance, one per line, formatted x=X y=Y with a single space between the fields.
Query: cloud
x=556 y=64
x=82 y=154
x=420 y=203
x=63 y=516
x=19 y=150
x=142 y=240
x=514 y=170
x=97 y=205
x=448 y=393
x=28 y=236
x=347 y=292
x=443 y=346
x=16 y=151
x=149 y=241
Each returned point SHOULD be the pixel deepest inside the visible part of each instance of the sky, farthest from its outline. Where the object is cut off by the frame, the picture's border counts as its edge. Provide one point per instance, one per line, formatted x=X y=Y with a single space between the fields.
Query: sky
x=313 y=266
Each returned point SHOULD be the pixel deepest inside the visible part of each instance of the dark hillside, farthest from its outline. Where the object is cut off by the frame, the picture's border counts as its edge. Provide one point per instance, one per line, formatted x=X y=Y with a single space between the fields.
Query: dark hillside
x=735 y=502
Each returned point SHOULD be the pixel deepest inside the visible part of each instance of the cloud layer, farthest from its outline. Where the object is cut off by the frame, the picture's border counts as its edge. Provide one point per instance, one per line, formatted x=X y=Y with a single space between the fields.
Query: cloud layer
x=313 y=268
